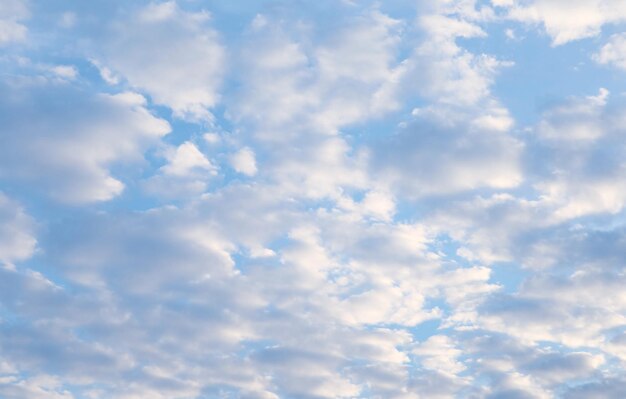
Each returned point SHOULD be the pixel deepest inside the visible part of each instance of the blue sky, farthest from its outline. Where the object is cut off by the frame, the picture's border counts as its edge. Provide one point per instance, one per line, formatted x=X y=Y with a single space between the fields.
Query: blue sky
x=312 y=199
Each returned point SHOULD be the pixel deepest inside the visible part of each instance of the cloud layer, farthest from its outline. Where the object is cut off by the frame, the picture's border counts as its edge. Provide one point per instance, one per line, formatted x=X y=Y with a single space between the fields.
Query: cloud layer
x=341 y=199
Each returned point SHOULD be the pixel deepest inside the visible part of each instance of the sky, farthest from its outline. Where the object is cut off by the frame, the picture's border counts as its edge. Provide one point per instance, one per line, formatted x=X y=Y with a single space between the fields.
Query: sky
x=298 y=199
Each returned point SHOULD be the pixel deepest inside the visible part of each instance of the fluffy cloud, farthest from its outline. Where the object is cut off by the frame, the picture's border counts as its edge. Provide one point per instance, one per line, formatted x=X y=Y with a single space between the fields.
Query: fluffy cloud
x=461 y=140
x=583 y=140
x=186 y=172
x=77 y=136
x=429 y=157
x=565 y=20
x=252 y=308
x=439 y=353
x=613 y=52
x=369 y=216
x=243 y=161
x=444 y=71
x=173 y=55
x=349 y=77
x=184 y=159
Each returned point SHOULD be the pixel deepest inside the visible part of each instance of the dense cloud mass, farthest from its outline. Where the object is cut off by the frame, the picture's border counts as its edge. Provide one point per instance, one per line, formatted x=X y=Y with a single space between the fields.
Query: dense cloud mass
x=308 y=200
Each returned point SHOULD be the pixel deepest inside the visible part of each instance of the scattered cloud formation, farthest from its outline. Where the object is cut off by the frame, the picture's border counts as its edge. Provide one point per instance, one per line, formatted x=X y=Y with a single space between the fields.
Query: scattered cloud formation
x=270 y=200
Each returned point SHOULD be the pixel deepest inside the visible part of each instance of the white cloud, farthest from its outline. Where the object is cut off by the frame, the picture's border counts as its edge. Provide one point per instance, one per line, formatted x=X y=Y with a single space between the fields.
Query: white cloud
x=298 y=92
x=440 y=353
x=585 y=176
x=461 y=140
x=211 y=138
x=243 y=161
x=11 y=31
x=37 y=387
x=574 y=310
x=77 y=136
x=442 y=71
x=567 y=20
x=364 y=251
x=493 y=229
x=576 y=120
x=379 y=204
x=349 y=77
x=432 y=157
x=105 y=73
x=186 y=173
x=613 y=52
x=12 y=13
x=173 y=55
x=65 y=71
x=185 y=159
x=175 y=248
x=17 y=241
x=318 y=167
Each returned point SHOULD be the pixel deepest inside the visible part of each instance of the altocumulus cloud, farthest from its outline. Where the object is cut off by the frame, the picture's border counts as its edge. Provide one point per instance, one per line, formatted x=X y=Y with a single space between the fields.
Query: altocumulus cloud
x=330 y=199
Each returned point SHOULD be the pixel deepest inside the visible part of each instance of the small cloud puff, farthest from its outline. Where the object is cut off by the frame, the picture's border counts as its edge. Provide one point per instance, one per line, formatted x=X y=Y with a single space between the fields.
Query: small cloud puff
x=184 y=160
x=613 y=52
x=244 y=161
